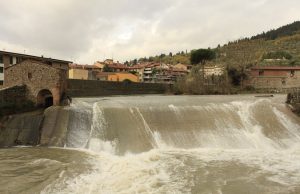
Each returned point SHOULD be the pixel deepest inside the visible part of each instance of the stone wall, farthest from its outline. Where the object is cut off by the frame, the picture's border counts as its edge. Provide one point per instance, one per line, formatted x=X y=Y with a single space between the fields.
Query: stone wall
x=14 y=99
x=293 y=98
x=90 y=88
x=37 y=76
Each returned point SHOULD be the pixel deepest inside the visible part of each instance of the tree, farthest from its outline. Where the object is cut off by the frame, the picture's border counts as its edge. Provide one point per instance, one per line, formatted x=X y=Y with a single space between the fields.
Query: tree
x=162 y=55
x=170 y=54
x=106 y=68
x=200 y=56
x=236 y=76
x=134 y=62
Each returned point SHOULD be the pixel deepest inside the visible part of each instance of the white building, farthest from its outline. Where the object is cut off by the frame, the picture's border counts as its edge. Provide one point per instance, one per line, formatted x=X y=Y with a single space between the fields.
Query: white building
x=210 y=70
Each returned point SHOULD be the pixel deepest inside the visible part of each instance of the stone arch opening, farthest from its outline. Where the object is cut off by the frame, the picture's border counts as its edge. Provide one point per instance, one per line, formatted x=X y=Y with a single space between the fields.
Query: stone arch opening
x=44 y=98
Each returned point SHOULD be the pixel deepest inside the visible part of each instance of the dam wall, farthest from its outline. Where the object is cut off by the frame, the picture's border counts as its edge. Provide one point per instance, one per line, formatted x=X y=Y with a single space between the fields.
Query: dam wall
x=140 y=123
x=21 y=129
x=92 y=88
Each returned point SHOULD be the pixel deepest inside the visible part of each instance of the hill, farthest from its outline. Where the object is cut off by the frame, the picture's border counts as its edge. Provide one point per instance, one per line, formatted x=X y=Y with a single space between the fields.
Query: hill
x=278 y=43
x=287 y=30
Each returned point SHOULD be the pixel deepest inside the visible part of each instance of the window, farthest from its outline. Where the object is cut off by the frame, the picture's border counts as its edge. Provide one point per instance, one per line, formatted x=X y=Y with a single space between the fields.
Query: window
x=19 y=59
x=1 y=58
x=11 y=60
x=283 y=82
x=1 y=69
x=1 y=82
x=29 y=75
x=261 y=72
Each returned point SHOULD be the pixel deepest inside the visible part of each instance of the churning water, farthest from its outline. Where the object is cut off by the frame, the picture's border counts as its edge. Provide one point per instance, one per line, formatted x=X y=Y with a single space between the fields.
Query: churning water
x=163 y=144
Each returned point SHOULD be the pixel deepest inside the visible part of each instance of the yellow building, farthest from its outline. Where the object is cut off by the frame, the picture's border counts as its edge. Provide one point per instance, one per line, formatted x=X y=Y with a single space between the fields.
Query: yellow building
x=79 y=74
x=117 y=76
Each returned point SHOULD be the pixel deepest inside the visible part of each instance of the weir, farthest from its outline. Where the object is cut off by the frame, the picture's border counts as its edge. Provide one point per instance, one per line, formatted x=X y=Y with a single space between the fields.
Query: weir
x=138 y=124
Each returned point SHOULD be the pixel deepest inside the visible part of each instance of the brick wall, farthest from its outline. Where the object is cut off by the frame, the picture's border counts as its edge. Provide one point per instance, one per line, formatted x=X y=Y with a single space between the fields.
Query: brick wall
x=90 y=88
x=282 y=80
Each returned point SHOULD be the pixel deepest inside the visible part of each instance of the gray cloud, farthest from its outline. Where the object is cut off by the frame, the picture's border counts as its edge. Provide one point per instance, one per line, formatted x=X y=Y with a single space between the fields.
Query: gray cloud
x=86 y=31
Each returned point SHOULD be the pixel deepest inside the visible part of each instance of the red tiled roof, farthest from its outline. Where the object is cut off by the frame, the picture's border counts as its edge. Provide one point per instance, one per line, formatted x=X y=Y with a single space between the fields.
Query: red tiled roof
x=179 y=70
x=79 y=66
x=138 y=66
x=118 y=66
x=275 y=68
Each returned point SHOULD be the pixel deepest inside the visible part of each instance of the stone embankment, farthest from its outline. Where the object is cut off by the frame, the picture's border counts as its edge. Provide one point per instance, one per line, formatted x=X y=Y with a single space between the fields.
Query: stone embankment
x=293 y=99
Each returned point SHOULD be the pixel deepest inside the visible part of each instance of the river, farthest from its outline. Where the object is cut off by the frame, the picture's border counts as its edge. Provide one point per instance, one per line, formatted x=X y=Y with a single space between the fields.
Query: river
x=162 y=144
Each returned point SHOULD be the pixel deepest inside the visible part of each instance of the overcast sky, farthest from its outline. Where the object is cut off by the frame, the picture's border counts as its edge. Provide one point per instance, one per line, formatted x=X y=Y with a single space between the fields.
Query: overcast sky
x=85 y=31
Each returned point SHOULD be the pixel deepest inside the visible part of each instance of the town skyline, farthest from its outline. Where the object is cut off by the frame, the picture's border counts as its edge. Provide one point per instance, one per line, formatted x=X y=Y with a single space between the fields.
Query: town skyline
x=85 y=32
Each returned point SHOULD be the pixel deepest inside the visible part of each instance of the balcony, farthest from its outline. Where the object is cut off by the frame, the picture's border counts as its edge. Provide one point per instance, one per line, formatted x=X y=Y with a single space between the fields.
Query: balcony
x=148 y=72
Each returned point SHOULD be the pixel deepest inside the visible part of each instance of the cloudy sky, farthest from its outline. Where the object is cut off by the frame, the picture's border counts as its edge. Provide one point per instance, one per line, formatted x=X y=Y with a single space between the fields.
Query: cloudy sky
x=85 y=31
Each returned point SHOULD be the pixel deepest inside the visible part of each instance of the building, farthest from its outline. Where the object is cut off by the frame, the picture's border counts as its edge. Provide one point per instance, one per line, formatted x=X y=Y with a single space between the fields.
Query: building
x=109 y=61
x=277 y=78
x=8 y=59
x=79 y=74
x=184 y=67
x=117 y=76
x=177 y=73
x=100 y=65
x=138 y=70
x=1 y=72
x=216 y=70
x=85 y=72
x=111 y=66
x=45 y=78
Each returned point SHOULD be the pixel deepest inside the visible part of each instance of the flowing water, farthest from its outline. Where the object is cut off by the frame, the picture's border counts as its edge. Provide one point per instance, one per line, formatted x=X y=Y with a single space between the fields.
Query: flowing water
x=162 y=144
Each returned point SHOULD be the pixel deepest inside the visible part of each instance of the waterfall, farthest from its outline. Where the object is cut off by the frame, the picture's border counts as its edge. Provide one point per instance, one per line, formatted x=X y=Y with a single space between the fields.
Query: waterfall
x=121 y=125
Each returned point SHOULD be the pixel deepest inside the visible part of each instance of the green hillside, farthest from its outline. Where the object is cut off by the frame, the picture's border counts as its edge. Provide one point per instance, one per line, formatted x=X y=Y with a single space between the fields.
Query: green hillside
x=246 y=53
x=287 y=30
